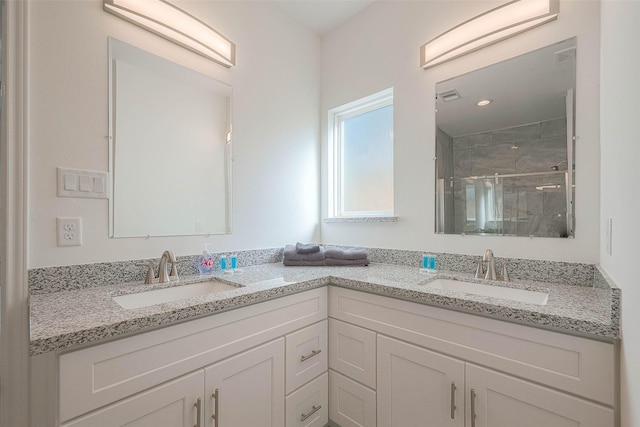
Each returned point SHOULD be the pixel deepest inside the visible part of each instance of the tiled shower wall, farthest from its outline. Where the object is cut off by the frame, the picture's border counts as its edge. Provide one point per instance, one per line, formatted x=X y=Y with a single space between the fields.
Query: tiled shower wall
x=530 y=205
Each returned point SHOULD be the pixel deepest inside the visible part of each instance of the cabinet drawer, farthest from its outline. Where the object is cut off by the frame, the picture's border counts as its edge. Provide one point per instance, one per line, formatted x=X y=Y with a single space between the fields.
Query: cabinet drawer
x=350 y=404
x=99 y=375
x=577 y=365
x=352 y=352
x=306 y=355
x=309 y=405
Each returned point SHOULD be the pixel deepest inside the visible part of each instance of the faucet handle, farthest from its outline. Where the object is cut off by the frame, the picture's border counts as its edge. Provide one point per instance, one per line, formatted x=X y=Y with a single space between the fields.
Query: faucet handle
x=480 y=270
x=505 y=273
x=150 y=277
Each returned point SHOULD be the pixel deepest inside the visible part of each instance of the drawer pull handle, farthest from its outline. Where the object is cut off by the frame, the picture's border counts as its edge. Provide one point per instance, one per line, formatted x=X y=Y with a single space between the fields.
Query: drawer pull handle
x=473 y=408
x=314 y=409
x=198 y=406
x=215 y=396
x=309 y=356
x=453 y=401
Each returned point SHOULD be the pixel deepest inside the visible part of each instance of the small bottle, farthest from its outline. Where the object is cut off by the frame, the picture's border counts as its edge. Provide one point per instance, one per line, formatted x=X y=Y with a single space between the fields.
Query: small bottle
x=432 y=263
x=223 y=263
x=425 y=261
x=234 y=262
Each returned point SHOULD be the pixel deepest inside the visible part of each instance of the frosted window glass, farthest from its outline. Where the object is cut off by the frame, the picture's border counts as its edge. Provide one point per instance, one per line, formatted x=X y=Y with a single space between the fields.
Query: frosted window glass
x=367 y=162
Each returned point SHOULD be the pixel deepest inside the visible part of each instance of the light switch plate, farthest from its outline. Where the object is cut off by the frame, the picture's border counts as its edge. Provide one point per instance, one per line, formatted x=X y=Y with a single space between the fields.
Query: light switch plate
x=81 y=183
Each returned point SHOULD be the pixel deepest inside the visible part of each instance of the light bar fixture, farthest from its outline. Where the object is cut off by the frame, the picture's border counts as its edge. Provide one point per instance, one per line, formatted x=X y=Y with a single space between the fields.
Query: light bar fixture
x=176 y=25
x=497 y=24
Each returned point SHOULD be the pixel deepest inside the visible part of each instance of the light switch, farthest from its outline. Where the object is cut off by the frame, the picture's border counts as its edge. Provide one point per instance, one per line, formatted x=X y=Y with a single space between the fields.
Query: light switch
x=98 y=184
x=69 y=182
x=85 y=183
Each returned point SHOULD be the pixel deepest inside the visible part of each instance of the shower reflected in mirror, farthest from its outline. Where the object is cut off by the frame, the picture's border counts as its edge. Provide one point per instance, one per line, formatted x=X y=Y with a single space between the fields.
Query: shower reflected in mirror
x=505 y=147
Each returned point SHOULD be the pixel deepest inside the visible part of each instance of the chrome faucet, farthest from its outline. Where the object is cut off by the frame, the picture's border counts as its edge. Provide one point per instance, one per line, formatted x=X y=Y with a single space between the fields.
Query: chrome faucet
x=490 y=272
x=163 y=274
x=491 y=266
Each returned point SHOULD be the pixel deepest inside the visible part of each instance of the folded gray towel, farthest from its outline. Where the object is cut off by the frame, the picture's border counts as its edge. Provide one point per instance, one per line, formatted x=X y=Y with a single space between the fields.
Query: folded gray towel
x=303 y=263
x=341 y=262
x=351 y=253
x=307 y=249
x=291 y=254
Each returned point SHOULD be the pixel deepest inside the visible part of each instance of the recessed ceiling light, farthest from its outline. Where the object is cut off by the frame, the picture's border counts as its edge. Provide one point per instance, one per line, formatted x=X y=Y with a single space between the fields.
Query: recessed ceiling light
x=484 y=102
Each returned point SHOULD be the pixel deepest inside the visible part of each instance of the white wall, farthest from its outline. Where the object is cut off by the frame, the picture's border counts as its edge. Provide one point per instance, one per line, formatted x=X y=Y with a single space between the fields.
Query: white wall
x=379 y=48
x=620 y=91
x=276 y=119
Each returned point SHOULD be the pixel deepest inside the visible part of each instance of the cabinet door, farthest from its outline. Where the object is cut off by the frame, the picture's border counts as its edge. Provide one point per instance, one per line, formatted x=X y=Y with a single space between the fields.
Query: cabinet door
x=352 y=352
x=247 y=389
x=499 y=400
x=176 y=403
x=417 y=387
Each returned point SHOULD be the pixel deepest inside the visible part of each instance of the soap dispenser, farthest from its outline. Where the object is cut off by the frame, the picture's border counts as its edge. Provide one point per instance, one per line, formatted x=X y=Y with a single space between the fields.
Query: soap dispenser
x=207 y=263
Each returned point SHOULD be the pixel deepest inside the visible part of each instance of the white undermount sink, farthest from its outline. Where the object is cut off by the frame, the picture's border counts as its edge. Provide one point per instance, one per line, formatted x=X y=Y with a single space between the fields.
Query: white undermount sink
x=175 y=293
x=520 y=295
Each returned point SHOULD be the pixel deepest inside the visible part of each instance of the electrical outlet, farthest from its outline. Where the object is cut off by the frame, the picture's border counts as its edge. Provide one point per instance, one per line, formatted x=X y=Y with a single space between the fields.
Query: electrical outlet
x=69 y=231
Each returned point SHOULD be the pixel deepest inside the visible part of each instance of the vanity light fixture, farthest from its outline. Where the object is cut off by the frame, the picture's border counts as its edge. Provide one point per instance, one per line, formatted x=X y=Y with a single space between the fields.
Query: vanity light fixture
x=176 y=25
x=497 y=24
x=484 y=102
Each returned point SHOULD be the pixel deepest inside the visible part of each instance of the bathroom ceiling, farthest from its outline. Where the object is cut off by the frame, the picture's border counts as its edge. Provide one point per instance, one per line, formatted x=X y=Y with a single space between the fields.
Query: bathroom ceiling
x=322 y=16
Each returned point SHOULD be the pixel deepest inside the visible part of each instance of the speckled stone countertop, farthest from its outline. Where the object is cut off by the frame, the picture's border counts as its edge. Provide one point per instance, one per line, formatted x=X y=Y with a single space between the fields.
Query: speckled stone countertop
x=62 y=320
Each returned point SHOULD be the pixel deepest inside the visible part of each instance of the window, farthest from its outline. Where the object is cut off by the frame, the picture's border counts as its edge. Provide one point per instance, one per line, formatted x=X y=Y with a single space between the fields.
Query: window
x=361 y=157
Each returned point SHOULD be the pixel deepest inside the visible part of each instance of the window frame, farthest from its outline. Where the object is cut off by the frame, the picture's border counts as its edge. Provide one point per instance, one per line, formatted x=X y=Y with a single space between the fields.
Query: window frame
x=337 y=116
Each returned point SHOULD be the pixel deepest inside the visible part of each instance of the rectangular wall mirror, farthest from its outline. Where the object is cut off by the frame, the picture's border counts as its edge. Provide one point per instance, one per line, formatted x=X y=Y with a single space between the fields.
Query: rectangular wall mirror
x=507 y=167
x=170 y=147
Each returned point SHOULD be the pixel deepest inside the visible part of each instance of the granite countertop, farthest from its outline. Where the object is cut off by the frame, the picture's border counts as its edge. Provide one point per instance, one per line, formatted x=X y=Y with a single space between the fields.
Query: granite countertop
x=65 y=319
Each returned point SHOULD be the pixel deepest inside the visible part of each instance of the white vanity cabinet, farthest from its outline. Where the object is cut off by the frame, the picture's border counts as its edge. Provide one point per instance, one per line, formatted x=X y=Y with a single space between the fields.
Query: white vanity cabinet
x=429 y=360
x=383 y=362
x=240 y=352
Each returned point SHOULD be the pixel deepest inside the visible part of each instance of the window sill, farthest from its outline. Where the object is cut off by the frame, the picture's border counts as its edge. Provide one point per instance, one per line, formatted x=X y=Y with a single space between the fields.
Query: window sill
x=360 y=219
